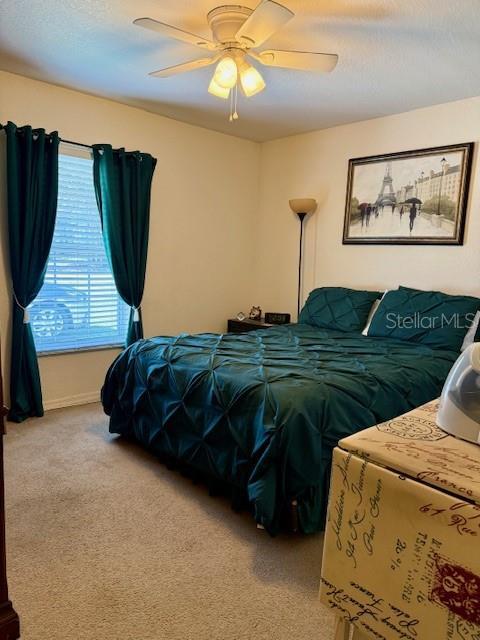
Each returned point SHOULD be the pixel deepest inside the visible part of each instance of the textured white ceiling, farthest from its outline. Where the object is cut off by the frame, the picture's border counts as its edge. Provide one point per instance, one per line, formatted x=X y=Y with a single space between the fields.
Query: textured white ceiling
x=395 y=55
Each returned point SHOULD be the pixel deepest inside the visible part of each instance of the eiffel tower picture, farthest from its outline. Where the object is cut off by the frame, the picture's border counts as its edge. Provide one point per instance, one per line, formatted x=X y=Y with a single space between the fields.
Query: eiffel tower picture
x=410 y=197
x=387 y=196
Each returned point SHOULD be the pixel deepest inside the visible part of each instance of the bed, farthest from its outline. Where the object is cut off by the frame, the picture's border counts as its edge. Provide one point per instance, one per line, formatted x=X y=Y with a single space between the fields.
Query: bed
x=262 y=411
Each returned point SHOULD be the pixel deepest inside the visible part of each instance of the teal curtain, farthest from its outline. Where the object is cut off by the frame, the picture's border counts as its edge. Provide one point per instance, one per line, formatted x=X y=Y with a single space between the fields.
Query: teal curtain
x=32 y=188
x=122 y=185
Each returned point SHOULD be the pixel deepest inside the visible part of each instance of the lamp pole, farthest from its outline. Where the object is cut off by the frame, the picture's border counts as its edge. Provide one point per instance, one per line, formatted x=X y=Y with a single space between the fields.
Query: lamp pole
x=443 y=163
x=301 y=215
x=302 y=207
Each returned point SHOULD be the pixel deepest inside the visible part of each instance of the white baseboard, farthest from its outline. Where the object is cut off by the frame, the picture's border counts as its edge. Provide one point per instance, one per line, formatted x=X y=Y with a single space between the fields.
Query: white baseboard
x=71 y=401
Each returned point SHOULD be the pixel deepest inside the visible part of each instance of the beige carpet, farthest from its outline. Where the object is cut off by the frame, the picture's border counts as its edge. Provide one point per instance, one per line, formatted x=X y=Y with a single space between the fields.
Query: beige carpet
x=104 y=543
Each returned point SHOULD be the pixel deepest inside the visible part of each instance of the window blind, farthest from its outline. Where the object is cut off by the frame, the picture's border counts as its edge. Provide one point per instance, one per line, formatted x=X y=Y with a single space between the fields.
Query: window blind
x=78 y=306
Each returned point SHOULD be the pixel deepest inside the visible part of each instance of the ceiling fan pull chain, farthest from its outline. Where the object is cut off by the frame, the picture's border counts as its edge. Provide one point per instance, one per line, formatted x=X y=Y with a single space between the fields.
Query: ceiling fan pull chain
x=235 y=114
x=231 y=107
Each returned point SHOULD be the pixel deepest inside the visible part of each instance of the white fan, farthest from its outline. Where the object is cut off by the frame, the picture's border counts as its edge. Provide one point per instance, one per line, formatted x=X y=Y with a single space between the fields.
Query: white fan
x=236 y=32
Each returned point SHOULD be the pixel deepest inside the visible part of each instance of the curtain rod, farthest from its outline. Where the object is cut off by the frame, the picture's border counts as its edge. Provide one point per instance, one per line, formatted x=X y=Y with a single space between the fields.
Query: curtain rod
x=89 y=146
x=76 y=144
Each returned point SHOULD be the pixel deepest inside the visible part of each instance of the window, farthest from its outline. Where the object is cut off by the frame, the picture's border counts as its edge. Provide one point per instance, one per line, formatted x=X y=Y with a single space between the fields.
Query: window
x=78 y=306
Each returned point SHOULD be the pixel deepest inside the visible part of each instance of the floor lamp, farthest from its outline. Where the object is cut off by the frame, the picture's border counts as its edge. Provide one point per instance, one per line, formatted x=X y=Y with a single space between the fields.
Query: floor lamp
x=302 y=207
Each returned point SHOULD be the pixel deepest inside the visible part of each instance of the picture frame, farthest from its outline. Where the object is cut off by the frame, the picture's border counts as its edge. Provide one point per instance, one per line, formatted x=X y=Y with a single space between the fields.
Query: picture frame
x=410 y=197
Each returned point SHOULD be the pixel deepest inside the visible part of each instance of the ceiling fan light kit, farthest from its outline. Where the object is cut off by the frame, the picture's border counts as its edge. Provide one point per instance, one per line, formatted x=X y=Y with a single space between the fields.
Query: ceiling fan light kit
x=226 y=73
x=236 y=31
x=251 y=80
x=218 y=91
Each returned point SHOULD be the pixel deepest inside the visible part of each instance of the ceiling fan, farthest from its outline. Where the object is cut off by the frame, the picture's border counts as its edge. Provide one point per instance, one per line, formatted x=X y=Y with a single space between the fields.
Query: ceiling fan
x=236 y=32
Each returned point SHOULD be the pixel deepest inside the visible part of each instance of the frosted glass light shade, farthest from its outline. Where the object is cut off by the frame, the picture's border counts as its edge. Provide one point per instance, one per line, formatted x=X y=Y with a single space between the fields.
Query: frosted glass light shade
x=218 y=91
x=226 y=73
x=251 y=80
x=303 y=205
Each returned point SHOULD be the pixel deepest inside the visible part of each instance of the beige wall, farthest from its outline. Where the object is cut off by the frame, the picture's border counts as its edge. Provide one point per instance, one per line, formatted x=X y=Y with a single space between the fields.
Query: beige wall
x=203 y=212
x=222 y=234
x=315 y=165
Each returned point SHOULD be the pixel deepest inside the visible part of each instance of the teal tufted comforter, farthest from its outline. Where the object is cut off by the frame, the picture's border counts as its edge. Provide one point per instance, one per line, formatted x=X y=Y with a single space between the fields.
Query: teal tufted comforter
x=262 y=410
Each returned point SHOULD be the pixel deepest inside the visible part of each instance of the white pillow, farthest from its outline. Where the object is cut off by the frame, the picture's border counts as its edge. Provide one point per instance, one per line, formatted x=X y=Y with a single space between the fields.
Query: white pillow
x=470 y=335
x=370 y=316
x=372 y=312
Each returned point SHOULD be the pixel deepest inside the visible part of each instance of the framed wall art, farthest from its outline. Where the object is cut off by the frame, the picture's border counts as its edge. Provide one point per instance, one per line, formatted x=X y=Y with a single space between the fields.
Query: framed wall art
x=411 y=197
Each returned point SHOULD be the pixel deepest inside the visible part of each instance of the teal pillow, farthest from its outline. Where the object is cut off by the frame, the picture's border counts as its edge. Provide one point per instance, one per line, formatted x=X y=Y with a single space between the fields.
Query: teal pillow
x=338 y=308
x=432 y=318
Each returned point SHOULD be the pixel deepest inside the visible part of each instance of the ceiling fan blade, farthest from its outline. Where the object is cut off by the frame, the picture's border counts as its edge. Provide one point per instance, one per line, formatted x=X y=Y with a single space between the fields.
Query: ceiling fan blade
x=185 y=66
x=303 y=60
x=172 y=32
x=267 y=18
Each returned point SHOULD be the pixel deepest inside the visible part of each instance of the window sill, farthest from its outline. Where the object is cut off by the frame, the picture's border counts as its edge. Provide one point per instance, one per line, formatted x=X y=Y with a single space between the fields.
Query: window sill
x=61 y=352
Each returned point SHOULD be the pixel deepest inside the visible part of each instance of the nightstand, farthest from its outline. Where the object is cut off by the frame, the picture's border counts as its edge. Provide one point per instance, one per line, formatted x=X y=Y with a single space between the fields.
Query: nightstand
x=240 y=326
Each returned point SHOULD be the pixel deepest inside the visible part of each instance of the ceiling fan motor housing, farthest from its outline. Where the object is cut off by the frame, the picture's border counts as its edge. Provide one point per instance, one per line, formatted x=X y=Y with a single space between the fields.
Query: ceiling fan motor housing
x=225 y=21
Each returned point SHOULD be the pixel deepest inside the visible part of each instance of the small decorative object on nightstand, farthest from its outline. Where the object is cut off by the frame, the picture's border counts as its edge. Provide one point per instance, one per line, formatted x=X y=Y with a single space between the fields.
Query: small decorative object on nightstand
x=255 y=313
x=240 y=326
